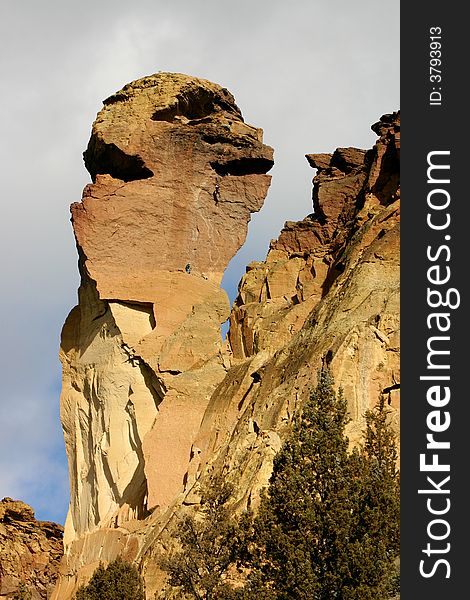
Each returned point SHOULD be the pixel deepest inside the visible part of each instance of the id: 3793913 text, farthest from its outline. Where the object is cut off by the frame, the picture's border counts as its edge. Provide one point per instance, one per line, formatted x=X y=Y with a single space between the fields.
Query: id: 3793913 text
x=435 y=66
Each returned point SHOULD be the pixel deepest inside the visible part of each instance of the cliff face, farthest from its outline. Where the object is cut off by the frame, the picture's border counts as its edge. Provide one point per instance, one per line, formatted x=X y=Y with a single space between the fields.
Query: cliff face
x=30 y=551
x=153 y=400
x=328 y=293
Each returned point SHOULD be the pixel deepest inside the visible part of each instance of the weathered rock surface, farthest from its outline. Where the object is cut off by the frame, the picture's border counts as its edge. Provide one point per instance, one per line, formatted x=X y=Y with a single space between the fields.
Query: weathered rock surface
x=153 y=401
x=30 y=551
x=176 y=175
x=328 y=292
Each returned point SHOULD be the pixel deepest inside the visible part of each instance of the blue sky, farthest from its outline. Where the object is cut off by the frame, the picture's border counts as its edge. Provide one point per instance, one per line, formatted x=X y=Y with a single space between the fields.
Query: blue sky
x=314 y=75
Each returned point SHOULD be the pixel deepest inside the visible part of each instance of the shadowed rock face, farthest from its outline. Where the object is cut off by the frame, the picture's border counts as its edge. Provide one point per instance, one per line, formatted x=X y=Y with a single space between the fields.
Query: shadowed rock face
x=176 y=175
x=30 y=551
x=153 y=403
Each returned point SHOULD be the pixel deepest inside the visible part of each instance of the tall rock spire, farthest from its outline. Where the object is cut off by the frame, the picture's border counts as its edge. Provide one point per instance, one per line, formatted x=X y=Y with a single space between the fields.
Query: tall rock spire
x=176 y=175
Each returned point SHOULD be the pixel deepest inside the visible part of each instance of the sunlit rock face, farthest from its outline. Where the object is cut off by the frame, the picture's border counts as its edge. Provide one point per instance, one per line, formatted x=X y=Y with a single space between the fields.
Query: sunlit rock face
x=153 y=402
x=30 y=552
x=176 y=175
x=327 y=294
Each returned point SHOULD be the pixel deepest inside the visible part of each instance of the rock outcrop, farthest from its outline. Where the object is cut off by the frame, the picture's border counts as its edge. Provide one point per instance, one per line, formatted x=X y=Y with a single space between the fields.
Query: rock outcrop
x=153 y=401
x=328 y=293
x=30 y=552
x=176 y=175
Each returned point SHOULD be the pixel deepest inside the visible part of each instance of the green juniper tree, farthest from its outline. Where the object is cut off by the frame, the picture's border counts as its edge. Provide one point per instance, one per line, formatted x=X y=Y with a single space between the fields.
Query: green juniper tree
x=118 y=581
x=209 y=547
x=22 y=593
x=378 y=529
x=328 y=525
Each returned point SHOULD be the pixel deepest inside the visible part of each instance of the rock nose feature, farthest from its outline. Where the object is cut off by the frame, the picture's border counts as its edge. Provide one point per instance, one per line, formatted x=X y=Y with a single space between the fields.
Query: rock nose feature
x=176 y=175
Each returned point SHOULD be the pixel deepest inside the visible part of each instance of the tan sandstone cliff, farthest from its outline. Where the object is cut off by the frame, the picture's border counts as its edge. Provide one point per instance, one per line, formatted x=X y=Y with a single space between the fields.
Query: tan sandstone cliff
x=153 y=400
x=30 y=552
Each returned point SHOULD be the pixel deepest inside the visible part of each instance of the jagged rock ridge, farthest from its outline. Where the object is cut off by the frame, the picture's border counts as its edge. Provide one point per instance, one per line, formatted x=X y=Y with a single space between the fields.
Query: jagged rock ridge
x=153 y=401
x=30 y=551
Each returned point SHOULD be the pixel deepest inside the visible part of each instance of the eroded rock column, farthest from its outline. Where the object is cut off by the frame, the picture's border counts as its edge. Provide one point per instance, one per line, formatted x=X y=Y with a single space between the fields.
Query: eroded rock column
x=176 y=175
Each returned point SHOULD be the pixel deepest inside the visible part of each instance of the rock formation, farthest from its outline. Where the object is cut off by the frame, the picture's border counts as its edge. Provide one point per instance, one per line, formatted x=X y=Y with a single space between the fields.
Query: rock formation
x=153 y=401
x=30 y=551
x=176 y=174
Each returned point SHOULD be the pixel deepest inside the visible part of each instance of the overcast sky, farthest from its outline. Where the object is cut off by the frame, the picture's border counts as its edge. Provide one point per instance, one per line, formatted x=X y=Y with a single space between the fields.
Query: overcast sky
x=314 y=75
